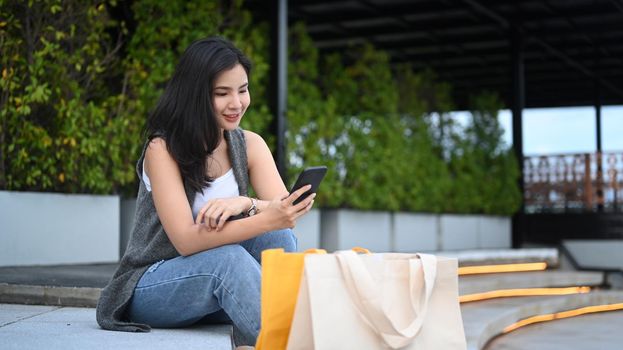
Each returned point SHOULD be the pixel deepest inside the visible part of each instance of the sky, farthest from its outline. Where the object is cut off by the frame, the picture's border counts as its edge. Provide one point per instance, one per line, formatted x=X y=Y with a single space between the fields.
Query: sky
x=565 y=130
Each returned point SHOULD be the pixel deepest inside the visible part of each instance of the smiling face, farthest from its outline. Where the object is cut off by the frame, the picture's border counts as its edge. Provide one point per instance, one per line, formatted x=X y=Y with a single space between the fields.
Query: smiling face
x=230 y=97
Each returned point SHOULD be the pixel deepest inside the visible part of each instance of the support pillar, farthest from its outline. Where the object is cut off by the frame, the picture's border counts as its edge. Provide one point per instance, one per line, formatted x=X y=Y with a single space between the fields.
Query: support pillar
x=518 y=103
x=279 y=81
x=599 y=157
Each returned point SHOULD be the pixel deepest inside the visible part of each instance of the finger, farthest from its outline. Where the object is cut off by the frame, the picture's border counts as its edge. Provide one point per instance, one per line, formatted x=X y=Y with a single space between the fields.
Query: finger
x=223 y=220
x=201 y=215
x=209 y=209
x=305 y=202
x=207 y=217
x=214 y=218
x=206 y=222
x=304 y=211
x=296 y=194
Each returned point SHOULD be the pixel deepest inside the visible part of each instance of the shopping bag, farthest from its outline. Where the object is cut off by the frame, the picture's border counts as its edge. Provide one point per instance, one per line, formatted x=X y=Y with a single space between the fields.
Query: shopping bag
x=281 y=276
x=377 y=301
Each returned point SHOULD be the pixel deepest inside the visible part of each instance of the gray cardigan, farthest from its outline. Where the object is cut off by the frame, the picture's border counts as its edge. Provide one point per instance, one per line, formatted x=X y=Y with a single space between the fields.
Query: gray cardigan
x=149 y=243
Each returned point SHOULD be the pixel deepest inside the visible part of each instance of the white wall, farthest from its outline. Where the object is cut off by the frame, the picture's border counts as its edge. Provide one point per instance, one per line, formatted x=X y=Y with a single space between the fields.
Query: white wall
x=307 y=230
x=607 y=253
x=412 y=232
x=48 y=228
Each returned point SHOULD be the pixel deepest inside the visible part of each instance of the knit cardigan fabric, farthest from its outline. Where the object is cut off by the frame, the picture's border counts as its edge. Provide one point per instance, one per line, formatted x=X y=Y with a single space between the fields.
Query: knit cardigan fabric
x=150 y=244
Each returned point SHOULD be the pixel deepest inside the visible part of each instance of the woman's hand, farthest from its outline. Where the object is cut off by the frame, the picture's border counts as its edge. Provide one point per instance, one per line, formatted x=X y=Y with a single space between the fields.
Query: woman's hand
x=283 y=214
x=215 y=212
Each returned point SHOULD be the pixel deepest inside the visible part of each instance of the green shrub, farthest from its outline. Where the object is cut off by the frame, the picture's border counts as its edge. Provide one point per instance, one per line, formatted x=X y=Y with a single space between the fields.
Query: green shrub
x=60 y=127
x=74 y=102
x=78 y=85
x=485 y=172
x=374 y=129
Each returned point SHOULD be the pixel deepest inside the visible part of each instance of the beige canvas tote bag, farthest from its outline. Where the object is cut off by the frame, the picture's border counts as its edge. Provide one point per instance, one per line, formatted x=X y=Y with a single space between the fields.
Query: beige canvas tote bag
x=377 y=301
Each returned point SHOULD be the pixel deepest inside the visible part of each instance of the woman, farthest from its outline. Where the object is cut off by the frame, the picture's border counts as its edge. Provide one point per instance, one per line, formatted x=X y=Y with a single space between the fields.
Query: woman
x=185 y=261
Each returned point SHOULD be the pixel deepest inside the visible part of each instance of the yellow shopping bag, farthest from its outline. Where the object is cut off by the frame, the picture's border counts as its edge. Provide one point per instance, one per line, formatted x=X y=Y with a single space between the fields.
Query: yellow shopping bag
x=281 y=278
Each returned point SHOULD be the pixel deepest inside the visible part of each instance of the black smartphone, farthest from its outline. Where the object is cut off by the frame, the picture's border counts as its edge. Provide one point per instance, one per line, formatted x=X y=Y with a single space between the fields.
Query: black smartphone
x=310 y=176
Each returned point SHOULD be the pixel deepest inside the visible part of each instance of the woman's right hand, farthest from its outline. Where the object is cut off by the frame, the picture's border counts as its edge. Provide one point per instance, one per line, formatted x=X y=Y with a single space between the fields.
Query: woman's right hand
x=283 y=214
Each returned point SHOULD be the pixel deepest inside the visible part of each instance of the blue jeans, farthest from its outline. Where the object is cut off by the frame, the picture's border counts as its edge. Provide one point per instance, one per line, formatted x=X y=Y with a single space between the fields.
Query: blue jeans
x=220 y=285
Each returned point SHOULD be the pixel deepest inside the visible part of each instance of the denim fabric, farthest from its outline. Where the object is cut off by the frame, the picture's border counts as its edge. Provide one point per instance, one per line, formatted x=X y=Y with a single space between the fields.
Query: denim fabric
x=219 y=285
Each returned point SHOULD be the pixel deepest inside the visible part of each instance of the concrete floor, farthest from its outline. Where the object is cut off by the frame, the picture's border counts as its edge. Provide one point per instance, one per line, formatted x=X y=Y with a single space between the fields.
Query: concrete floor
x=602 y=331
x=26 y=327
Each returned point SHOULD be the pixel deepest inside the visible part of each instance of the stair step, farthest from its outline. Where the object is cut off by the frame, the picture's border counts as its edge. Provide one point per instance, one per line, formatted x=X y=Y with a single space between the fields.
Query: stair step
x=503 y=256
x=535 y=279
x=486 y=319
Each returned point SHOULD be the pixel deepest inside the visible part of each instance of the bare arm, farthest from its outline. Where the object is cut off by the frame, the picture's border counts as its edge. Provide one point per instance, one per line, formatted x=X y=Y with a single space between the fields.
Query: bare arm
x=175 y=212
x=263 y=172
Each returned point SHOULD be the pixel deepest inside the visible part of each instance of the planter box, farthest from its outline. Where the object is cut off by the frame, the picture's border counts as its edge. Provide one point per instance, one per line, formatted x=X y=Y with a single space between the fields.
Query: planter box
x=458 y=232
x=307 y=230
x=412 y=232
x=494 y=232
x=599 y=254
x=50 y=228
x=343 y=229
x=128 y=208
x=415 y=232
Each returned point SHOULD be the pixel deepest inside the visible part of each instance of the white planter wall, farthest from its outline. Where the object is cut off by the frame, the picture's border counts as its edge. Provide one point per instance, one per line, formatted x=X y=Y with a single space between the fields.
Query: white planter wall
x=307 y=230
x=50 y=228
x=606 y=253
x=494 y=232
x=412 y=232
x=415 y=232
x=344 y=229
x=458 y=232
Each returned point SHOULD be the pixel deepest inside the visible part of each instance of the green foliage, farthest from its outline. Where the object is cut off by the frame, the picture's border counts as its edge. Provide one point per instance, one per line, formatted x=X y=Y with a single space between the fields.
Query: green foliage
x=313 y=126
x=388 y=138
x=485 y=173
x=60 y=130
x=165 y=29
x=78 y=85
x=74 y=103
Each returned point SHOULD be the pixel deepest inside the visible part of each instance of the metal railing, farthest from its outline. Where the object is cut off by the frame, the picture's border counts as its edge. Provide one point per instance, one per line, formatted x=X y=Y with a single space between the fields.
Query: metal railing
x=585 y=182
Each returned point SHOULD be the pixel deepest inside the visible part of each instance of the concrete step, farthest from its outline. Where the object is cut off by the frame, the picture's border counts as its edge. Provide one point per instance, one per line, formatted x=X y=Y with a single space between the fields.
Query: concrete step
x=504 y=256
x=534 y=279
x=49 y=295
x=593 y=331
x=51 y=327
x=486 y=319
x=80 y=285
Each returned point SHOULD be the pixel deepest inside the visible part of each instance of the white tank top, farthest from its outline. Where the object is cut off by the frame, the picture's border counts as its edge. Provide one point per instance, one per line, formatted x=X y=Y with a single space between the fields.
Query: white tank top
x=224 y=186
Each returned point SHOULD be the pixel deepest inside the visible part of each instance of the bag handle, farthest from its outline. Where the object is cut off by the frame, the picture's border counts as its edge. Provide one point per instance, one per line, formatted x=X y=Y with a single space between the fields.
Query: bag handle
x=315 y=251
x=360 y=250
x=367 y=296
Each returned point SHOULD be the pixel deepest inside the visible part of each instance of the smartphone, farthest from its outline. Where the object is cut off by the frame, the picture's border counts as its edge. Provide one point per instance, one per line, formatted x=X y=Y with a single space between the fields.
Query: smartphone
x=310 y=176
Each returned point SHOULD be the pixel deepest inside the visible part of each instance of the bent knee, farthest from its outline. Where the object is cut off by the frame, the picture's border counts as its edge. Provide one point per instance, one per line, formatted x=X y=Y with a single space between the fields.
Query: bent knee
x=284 y=238
x=226 y=253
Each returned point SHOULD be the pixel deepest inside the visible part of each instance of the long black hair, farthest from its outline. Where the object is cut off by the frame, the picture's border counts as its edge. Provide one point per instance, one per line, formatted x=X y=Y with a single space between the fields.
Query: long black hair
x=184 y=115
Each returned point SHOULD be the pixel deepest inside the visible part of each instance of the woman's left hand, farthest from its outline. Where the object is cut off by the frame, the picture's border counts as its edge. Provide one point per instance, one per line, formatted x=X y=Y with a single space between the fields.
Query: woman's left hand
x=215 y=212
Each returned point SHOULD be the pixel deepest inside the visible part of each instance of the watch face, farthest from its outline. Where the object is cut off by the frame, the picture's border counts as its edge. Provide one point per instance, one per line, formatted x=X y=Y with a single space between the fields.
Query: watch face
x=253 y=210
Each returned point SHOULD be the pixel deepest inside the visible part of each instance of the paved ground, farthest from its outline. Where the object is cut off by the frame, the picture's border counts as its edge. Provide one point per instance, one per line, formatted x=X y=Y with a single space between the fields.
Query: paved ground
x=598 y=331
x=26 y=327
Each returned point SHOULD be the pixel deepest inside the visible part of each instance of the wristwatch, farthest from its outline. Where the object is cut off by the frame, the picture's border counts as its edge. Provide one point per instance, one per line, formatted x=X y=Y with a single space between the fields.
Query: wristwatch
x=253 y=210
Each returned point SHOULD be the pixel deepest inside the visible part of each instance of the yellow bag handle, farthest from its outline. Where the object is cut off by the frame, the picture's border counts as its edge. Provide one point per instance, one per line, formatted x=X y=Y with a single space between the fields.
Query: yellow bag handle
x=315 y=251
x=361 y=250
